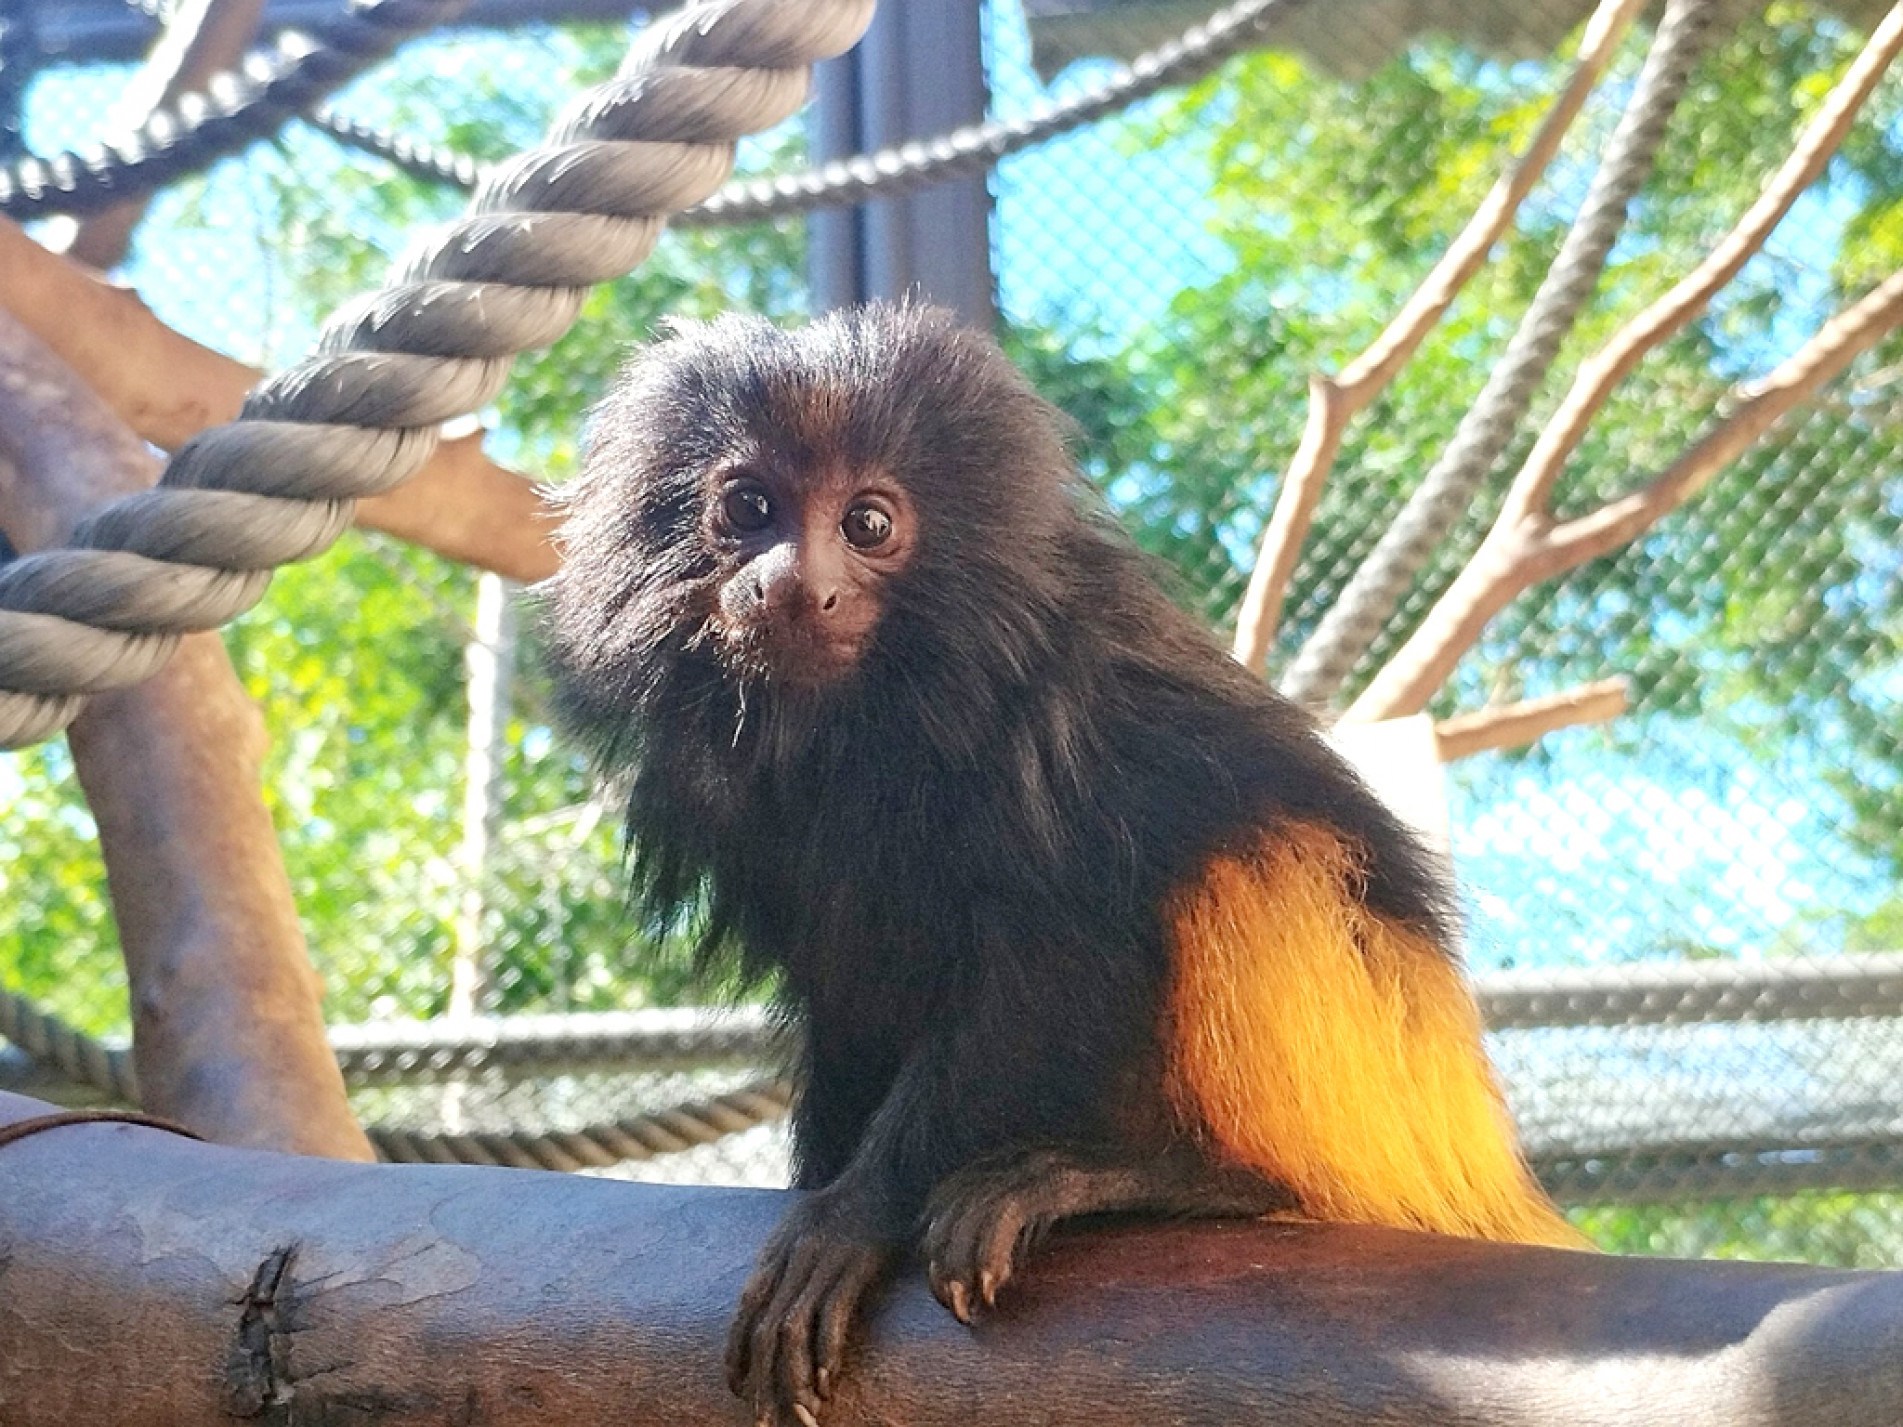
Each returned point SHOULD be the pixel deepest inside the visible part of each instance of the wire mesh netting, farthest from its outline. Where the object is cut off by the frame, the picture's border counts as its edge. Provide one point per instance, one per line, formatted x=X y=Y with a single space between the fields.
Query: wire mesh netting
x=1172 y=275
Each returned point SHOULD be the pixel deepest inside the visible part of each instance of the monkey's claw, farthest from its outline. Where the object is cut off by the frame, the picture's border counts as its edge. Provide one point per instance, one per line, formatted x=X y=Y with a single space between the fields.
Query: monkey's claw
x=977 y=1230
x=784 y=1349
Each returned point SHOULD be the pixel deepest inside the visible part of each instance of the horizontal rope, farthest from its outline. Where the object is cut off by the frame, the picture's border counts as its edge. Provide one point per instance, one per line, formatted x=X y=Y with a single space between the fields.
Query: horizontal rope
x=685 y=1126
x=1683 y=992
x=902 y=168
x=390 y=1052
x=1725 y=1171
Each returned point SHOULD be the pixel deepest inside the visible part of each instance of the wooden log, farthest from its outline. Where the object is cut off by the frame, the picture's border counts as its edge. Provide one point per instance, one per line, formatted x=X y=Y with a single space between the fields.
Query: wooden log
x=147 y=1279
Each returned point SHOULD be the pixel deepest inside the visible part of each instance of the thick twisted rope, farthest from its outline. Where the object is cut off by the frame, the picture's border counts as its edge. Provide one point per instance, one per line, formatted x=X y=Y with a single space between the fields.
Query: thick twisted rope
x=73 y=1054
x=237 y=108
x=637 y=1137
x=362 y=415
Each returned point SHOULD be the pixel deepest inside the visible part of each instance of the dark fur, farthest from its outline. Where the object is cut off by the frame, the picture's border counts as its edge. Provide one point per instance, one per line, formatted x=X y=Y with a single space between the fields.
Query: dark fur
x=959 y=858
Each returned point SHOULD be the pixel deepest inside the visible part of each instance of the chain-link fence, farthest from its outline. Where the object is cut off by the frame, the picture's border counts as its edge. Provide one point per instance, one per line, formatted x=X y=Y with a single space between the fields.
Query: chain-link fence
x=1674 y=894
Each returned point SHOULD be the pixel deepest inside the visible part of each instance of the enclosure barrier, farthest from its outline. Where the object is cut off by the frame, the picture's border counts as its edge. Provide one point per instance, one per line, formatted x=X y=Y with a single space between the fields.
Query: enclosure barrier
x=1667 y=1162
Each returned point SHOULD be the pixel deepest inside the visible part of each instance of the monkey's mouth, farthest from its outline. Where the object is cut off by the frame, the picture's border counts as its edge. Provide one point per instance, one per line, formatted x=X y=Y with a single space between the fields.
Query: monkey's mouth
x=792 y=657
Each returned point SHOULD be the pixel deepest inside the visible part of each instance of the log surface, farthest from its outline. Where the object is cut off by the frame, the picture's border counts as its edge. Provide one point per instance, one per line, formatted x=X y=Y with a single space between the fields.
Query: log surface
x=147 y=1279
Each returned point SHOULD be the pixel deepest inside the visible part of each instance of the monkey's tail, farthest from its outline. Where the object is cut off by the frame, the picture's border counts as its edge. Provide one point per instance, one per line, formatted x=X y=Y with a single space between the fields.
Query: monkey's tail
x=1339 y=1053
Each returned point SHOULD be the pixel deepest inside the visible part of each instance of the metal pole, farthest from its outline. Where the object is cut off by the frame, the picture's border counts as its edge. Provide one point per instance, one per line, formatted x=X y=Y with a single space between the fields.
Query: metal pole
x=918 y=72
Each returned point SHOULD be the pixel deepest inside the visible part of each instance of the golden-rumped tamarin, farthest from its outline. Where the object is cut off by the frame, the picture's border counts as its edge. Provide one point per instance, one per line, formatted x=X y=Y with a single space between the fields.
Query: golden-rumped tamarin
x=1073 y=914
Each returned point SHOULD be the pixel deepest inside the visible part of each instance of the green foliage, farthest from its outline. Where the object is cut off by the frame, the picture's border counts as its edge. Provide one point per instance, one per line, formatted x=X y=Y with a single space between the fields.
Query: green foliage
x=61 y=948
x=1834 y=1227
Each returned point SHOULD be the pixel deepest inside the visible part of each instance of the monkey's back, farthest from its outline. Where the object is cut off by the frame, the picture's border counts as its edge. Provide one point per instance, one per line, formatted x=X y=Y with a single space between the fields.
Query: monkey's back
x=1041 y=802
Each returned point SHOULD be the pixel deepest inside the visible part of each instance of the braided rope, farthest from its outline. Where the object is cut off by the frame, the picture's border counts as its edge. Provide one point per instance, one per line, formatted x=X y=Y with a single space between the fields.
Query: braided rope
x=667 y=1036
x=235 y=109
x=362 y=415
x=637 y=1137
x=976 y=148
x=56 y=1046
x=418 y=159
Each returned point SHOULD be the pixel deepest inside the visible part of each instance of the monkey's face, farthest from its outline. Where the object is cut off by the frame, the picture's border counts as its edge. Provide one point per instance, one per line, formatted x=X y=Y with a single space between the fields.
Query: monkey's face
x=873 y=505
x=804 y=557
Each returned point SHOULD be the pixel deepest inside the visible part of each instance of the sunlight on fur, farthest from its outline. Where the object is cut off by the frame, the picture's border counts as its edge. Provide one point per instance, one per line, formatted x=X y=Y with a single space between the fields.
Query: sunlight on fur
x=1340 y=1054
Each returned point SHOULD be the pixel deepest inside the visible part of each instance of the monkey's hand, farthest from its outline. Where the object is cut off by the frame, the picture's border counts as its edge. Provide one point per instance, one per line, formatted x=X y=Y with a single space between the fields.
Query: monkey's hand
x=784 y=1348
x=984 y=1219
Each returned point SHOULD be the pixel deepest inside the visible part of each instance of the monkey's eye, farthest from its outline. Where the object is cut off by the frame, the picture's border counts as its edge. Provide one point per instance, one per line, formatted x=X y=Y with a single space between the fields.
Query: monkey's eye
x=866 y=527
x=746 y=507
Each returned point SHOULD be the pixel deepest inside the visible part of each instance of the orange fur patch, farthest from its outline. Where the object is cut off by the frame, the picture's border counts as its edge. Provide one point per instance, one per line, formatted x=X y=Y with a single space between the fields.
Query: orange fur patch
x=1339 y=1053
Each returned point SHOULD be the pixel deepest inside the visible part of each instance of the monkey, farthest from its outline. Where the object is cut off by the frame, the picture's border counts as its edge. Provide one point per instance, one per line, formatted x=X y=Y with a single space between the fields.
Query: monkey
x=1072 y=914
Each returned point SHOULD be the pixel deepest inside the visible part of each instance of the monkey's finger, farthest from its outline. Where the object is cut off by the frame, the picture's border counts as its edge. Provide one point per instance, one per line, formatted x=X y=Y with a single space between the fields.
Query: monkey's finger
x=813 y=1336
x=836 y=1317
x=973 y=1253
x=760 y=1291
x=779 y=1349
x=1007 y=1238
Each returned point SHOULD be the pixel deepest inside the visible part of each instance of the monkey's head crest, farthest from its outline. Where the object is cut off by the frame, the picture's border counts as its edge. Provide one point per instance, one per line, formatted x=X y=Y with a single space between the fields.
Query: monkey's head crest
x=794 y=511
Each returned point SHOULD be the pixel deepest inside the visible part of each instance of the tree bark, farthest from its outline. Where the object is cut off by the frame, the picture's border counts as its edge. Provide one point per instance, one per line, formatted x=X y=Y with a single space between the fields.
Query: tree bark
x=228 y=1035
x=150 y=1281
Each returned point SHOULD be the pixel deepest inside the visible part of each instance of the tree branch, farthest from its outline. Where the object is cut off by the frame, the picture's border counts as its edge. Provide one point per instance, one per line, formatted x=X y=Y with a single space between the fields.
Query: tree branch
x=1260 y=613
x=228 y=1036
x=1334 y=403
x=168 y=388
x=1522 y=550
x=153 y=1280
x=1516 y=725
x=1444 y=495
x=1532 y=488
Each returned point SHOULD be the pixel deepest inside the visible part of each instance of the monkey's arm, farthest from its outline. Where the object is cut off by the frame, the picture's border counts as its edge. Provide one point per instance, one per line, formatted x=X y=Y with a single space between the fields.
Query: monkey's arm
x=784 y=1348
x=1021 y=1055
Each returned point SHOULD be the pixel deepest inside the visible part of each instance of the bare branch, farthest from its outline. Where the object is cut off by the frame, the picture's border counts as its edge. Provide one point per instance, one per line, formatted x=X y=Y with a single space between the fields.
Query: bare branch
x=1368 y=374
x=1532 y=488
x=227 y=1032
x=1516 y=725
x=1838 y=342
x=1521 y=552
x=1334 y=403
x=168 y=388
x=1376 y=589
x=1260 y=613
x=202 y=38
